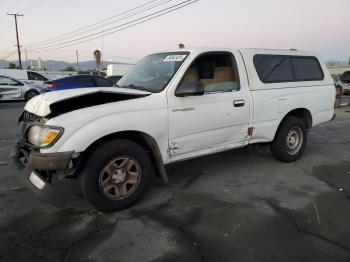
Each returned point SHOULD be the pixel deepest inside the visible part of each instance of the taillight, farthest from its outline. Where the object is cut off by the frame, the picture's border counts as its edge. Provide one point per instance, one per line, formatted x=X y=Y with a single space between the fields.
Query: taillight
x=51 y=84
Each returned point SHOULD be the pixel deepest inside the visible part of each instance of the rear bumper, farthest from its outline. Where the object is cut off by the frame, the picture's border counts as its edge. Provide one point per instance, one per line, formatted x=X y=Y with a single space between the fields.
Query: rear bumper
x=30 y=167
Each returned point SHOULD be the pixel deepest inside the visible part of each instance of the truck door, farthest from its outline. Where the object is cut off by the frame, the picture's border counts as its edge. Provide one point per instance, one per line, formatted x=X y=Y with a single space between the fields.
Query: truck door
x=216 y=120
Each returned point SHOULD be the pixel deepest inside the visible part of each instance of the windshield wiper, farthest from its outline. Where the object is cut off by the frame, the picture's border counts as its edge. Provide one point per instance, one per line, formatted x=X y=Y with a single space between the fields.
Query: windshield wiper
x=134 y=87
x=131 y=86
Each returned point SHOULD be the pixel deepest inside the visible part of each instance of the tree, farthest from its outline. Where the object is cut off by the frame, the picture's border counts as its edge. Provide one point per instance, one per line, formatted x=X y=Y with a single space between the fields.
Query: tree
x=12 y=66
x=69 y=69
x=97 y=55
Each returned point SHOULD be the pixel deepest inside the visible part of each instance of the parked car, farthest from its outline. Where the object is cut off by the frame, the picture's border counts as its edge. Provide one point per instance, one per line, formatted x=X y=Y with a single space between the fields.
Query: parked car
x=77 y=81
x=115 y=78
x=338 y=84
x=345 y=78
x=12 y=89
x=25 y=76
x=169 y=107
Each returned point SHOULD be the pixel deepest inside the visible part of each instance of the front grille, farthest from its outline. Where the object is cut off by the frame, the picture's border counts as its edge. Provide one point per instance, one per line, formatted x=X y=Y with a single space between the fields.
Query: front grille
x=29 y=117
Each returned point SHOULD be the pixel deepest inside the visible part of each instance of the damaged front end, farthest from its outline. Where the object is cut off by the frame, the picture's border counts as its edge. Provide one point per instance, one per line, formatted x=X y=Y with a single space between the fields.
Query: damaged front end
x=37 y=169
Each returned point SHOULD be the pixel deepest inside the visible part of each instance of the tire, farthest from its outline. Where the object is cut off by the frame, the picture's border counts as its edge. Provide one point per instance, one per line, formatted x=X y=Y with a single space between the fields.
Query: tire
x=292 y=129
x=110 y=171
x=30 y=94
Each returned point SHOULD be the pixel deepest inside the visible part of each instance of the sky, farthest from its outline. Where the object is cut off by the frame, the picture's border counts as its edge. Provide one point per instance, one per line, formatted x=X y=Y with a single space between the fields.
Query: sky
x=317 y=25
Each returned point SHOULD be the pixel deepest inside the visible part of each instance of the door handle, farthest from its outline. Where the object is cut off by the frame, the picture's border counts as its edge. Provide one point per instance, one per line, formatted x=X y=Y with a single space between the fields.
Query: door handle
x=238 y=103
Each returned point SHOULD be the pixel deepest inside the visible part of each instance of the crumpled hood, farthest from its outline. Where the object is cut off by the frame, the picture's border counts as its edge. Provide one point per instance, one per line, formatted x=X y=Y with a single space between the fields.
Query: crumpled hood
x=59 y=102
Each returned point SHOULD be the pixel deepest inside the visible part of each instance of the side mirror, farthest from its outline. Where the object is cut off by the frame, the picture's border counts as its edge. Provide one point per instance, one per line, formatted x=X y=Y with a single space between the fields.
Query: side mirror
x=190 y=89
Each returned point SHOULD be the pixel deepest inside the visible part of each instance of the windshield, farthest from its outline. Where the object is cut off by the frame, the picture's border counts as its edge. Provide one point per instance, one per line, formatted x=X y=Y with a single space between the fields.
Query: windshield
x=153 y=72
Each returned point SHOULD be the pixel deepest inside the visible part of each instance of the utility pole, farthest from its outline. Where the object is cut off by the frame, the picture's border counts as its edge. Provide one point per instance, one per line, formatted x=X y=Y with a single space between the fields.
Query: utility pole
x=18 y=46
x=77 y=54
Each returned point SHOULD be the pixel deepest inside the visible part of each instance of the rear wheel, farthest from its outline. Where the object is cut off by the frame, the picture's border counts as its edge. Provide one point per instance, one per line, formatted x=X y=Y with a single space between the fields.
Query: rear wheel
x=116 y=175
x=290 y=140
x=30 y=94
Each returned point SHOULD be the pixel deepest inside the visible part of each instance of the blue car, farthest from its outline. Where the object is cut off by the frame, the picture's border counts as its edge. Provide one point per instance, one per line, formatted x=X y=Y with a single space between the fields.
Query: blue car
x=77 y=81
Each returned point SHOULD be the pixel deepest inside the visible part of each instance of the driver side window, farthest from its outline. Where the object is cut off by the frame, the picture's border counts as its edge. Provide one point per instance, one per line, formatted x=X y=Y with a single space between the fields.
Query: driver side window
x=217 y=71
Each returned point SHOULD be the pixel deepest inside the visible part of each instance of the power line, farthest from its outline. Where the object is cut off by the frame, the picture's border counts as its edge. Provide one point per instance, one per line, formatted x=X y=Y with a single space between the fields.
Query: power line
x=29 y=8
x=124 y=26
x=122 y=29
x=70 y=35
x=8 y=55
x=26 y=9
x=91 y=25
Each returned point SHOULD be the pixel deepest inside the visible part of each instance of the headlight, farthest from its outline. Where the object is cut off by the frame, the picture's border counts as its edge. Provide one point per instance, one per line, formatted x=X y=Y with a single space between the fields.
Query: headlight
x=43 y=136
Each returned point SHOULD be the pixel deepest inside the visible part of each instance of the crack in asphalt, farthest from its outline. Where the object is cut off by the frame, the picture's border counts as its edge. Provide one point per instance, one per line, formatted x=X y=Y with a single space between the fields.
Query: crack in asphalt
x=36 y=235
x=68 y=252
x=191 y=180
x=9 y=251
x=32 y=250
x=178 y=228
x=324 y=181
x=334 y=187
x=182 y=230
x=300 y=229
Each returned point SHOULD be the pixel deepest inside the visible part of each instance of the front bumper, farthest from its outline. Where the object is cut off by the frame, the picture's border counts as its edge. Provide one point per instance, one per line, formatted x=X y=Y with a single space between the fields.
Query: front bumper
x=33 y=168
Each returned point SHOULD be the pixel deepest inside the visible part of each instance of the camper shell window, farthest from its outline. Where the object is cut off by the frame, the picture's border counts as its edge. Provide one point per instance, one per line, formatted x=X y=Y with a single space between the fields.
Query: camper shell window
x=285 y=68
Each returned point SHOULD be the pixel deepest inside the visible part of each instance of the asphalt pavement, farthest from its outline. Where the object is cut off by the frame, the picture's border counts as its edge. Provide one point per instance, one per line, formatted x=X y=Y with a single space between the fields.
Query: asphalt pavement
x=240 y=205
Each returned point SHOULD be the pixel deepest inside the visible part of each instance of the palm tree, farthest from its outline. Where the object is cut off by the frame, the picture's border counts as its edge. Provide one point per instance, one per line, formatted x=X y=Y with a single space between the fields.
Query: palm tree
x=97 y=55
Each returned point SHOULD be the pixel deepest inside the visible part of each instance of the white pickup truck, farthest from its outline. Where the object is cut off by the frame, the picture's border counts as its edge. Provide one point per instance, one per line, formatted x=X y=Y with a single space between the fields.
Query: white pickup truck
x=171 y=106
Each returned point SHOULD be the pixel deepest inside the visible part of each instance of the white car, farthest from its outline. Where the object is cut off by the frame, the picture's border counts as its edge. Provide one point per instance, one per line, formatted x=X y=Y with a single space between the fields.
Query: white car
x=171 y=106
x=12 y=89
x=26 y=76
x=345 y=78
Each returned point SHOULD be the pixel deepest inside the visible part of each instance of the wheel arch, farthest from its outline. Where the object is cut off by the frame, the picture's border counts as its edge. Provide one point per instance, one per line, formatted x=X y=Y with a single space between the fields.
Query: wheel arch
x=30 y=89
x=302 y=113
x=145 y=140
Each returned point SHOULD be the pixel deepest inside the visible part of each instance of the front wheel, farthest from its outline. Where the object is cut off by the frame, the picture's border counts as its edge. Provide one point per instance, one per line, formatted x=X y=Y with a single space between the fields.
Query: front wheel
x=116 y=175
x=30 y=94
x=290 y=140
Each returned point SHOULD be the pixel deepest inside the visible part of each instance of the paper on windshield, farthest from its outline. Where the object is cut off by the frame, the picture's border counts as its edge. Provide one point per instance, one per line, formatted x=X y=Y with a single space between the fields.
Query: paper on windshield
x=174 y=58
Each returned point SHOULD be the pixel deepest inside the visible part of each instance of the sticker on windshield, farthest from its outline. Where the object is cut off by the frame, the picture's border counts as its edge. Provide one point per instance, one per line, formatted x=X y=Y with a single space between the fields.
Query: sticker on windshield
x=174 y=58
